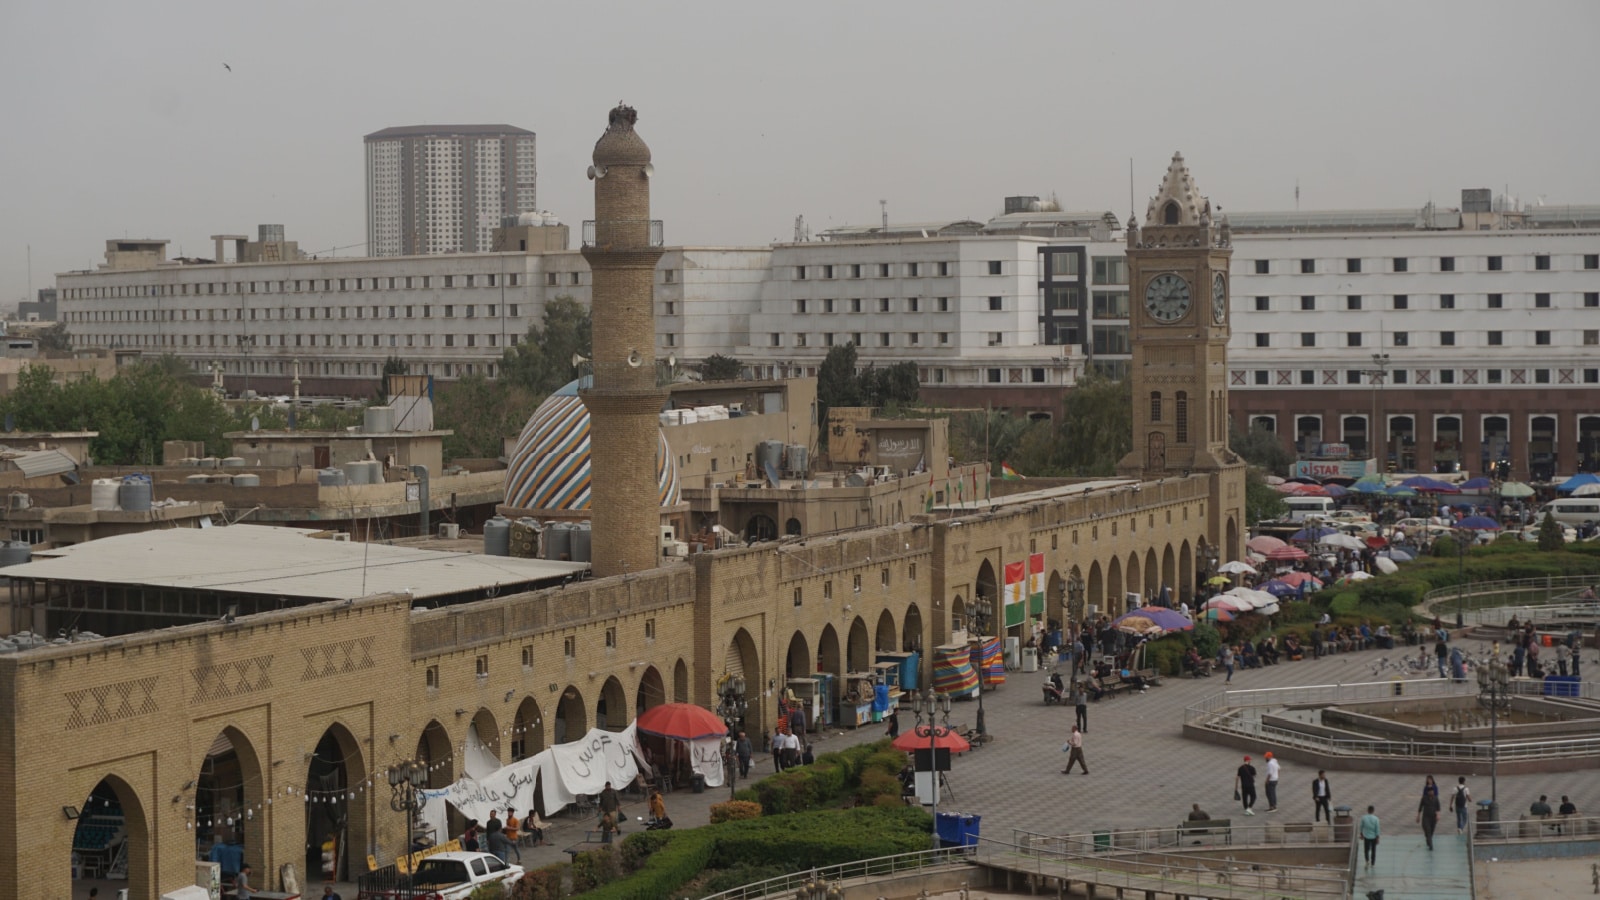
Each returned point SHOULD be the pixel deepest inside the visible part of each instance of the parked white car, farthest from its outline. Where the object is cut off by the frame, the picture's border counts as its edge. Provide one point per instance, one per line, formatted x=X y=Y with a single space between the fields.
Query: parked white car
x=452 y=876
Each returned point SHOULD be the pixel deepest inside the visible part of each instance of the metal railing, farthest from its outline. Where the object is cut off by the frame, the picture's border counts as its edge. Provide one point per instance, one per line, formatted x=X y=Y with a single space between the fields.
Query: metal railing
x=1527 y=829
x=878 y=867
x=1317 y=695
x=1519 y=591
x=1097 y=857
x=1553 y=613
x=596 y=231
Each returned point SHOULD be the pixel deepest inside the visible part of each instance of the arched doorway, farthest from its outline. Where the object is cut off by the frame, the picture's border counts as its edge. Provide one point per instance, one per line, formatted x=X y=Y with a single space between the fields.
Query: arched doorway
x=1447 y=444
x=229 y=801
x=111 y=838
x=885 y=639
x=742 y=661
x=958 y=613
x=611 y=710
x=487 y=732
x=797 y=662
x=1055 y=599
x=652 y=692
x=336 y=807
x=572 y=718
x=1542 y=448
x=1354 y=430
x=1495 y=455
x=1113 y=605
x=1152 y=576
x=1403 y=443
x=1589 y=444
x=792 y=527
x=1185 y=572
x=527 y=730
x=760 y=527
x=828 y=651
x=860 y=646
x=911 y=629
x=680 y=682
x=1307 y=434
x=1133 y=574
x=1095 y=595
x=988 y=588
x=1231 y=547
x=1169 y=573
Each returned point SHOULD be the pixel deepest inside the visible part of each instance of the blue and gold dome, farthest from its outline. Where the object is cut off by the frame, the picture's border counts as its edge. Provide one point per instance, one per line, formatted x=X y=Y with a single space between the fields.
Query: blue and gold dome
x=550 y=467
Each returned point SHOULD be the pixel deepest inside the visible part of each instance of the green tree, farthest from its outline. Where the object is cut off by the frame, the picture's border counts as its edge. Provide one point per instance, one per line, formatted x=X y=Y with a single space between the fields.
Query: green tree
x=393 y=365
x=482 y=413
x=837 y=384
x=543 y=361
x=1096 y=428
x=717 y=367
x=1261 y=502
x=55 y=339
x=1260 y=447
x=1551 y=536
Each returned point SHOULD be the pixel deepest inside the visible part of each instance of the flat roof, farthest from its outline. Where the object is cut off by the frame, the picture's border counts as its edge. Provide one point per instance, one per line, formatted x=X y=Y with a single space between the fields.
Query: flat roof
x=282 y=562
x=1050 y=493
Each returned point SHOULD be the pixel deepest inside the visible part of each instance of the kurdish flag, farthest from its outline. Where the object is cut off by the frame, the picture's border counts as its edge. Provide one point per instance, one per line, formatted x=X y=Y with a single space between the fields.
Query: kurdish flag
x=1009 y=474
x=1016 y=592
x=1036 y=584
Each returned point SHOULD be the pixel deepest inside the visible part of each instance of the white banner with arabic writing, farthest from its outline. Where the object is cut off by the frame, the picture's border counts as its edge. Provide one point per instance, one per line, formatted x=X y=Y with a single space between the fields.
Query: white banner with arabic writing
x=705 y=756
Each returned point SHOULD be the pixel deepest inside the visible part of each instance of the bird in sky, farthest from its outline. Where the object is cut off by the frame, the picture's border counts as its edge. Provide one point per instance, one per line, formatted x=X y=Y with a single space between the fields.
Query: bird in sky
x=228 y=67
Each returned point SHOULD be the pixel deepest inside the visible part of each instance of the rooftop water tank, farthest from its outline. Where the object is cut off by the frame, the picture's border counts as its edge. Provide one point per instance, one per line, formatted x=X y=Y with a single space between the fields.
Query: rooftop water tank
x=15 y=553
x=233 y=462
x=103 y=493
x=330 y=477
x=497 y=536
x=768 y=453
x=189 y=461
x=558 y=541
x=799 y=459
x=581 y=538
x=210 y=462
x=197 y=479
x=378 y=420
x=247 y=481
x=134 y=494
x=356 y=472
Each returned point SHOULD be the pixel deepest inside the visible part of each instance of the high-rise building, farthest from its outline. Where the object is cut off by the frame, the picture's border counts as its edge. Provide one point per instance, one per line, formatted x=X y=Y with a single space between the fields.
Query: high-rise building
x=445 y=188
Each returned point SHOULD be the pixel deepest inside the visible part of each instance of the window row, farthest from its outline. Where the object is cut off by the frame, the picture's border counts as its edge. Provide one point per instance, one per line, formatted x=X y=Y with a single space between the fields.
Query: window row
x=938 y=269
x=303 y=286
x=870 y=339
x=225 y=314
x=1541 y=262
x=829 y=305
x=1537 y=300
x=1589 y=337
x=1371 y=377
x=298 y=340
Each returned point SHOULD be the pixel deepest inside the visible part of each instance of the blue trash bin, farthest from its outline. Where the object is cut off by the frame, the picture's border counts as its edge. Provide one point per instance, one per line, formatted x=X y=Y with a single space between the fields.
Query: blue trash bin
x=970 y=826
x=948 y=828
x=1561 y=685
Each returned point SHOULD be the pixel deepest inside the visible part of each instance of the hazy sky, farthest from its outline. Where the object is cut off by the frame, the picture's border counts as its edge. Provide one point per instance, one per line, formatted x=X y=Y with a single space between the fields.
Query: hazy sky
x=120 y=120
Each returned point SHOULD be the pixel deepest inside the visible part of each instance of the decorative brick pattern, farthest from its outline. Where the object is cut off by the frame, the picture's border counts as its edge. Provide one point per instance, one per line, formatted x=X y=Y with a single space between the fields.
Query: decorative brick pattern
x=114 y=702
x=225 y=681
x=336 y=658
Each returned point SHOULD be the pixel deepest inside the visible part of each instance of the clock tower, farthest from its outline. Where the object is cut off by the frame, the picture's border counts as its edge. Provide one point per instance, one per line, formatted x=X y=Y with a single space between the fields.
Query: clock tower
x=1178 y=283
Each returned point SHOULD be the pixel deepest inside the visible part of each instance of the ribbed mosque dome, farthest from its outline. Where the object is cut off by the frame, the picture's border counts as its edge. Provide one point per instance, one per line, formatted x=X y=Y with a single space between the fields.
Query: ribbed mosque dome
x=550 y=467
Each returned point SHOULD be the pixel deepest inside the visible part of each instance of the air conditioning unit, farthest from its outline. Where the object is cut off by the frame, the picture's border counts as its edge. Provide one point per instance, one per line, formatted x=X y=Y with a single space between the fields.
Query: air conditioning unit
x=341 y=536
x=449 y=531
x=21 y=501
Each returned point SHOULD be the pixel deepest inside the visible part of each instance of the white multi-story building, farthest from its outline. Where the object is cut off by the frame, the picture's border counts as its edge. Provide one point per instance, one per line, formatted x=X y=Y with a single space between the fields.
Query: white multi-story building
x=445 y=188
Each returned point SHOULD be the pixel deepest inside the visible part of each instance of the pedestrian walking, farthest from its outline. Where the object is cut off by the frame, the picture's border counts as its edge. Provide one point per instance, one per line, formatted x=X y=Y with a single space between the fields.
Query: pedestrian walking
x=894 y=722
x=1074 y=750
x=1080 y=703
x=1370 y=829
x=744 y=751
x=1227 y=662
x=1321 y=796
x=1428 y=810
x=1441 y=654
x=1273 y=771
x=1459 y=802
x=1244 y=786
x=611 y=803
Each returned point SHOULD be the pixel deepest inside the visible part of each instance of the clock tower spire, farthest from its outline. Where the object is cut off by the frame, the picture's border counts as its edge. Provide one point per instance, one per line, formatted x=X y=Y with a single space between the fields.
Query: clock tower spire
x=1178 y=278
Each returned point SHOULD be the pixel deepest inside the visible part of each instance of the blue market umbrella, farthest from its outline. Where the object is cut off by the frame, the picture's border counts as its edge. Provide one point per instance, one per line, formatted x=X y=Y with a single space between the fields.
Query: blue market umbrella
x=1335 y=490
x=1279 y=589
x=1424 y=484
x=1477 y=484
x=1399 y=490
x=1312 y=534
x=1367 y=487
x=1577 y=481
x=1478 y=523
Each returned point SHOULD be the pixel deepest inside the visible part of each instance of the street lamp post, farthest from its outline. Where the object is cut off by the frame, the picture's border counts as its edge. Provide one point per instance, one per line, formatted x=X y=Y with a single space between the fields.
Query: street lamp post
x=406 y=779
x=1494 y=684
x=935 y=709
x=1380 y=362
x=982 y=609
x=1074 y=602
x=1461 y=577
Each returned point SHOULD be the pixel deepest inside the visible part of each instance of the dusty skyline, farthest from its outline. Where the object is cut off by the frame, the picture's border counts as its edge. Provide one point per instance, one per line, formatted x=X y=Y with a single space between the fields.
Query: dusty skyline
x=124 y=121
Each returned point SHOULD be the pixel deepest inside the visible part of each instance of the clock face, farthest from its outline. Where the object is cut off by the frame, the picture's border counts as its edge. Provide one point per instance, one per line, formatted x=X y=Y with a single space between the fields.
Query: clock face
x=1167 y=298
x=1219 y=298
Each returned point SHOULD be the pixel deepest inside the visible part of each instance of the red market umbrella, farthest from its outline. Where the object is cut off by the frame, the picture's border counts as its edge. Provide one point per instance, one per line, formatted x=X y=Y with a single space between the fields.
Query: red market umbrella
x=1286 y=554
x=917 y=739
x=682 y=721
x=1264 y=544
x=1376 y=542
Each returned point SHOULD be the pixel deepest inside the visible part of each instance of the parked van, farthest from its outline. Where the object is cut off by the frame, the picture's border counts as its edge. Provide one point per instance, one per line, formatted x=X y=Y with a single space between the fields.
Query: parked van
x=1572 y=511
x=1302 y=508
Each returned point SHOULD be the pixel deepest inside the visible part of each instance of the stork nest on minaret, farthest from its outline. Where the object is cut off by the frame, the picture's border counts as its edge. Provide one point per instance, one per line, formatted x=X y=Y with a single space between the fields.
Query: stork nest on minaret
x=623 y=116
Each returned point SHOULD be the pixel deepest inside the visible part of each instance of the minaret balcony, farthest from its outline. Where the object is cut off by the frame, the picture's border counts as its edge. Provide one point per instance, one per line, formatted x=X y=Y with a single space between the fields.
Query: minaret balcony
x=623 y=234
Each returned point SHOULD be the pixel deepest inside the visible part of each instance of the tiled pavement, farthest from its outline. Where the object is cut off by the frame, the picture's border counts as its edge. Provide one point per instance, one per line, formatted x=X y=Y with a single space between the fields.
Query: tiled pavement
x=1142 y=770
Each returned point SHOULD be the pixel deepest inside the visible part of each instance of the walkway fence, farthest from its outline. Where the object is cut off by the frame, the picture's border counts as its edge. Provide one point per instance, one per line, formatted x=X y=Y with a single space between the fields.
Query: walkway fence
x=878 y=867
x=1494 y=602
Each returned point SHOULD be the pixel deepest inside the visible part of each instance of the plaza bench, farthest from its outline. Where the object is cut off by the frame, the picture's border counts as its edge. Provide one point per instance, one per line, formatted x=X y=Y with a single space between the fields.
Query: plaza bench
x=1191 y=828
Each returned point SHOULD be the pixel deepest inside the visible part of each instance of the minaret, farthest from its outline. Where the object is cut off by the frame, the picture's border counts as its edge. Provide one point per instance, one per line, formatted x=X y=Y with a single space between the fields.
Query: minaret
x=624 y=403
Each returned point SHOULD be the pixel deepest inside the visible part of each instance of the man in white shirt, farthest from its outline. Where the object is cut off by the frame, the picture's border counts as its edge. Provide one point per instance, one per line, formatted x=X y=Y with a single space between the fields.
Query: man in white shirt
x=1272 y=782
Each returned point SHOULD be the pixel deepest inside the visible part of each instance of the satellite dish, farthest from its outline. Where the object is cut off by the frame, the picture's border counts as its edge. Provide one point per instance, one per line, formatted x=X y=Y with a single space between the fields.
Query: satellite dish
x=649 y=170
x=635 y=360
x=255 y=423
x=578 y=359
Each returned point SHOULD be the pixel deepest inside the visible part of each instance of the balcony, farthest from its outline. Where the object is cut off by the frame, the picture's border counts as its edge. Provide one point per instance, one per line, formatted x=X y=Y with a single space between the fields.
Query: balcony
x=623 y=234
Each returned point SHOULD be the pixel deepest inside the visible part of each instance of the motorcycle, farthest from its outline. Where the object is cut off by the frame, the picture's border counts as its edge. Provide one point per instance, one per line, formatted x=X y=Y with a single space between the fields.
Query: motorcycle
x=1053 y=693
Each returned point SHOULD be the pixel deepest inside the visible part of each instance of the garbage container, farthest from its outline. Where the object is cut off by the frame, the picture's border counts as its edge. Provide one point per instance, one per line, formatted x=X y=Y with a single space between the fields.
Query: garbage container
x=970 y=826
x=1343 y=826
x=1561 y=685
x=1102 y=841
x=697 y=784
x=1030 y=659
x=947 y=826
x=1488 y=824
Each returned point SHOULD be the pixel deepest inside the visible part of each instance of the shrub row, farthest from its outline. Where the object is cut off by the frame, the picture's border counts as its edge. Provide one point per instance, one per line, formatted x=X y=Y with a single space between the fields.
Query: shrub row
x=832 y=778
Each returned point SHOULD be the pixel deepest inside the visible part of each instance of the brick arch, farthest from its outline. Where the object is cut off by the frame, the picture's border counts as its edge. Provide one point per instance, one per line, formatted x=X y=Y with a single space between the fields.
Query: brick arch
x=887 y=636
x=135 y=811
x=1230 y=546
x=1113 y=604
x=680 y=682
x=828 y=656
x=1169 y=572
x=241 y=778
x=527 y=730
x=1185 y=571
x=572 y=717
x=345 y=818
x=652 y=691
x=611 y=707
x=1152 y=574
x=1133 y=577
x=798 y=661
x=1094 y=590
x=488 y=730
x=911 y=629
x=859 y=654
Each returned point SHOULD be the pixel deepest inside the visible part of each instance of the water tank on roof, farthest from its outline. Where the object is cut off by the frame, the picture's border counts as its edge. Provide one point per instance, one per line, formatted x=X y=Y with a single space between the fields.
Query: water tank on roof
x=497 y=536
x=374 y=471
x=134 y=494
x=232 y=462
x=197 y=479
x=103 y=493
x=378 y=420
x=330 y=477
x=768 y=453
x=209 y=462
x=15 y=553
x=247 y=481
x=799 y=459
x=189 y=462
x=558 y=541
x=581 y=537
x=356 y=472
